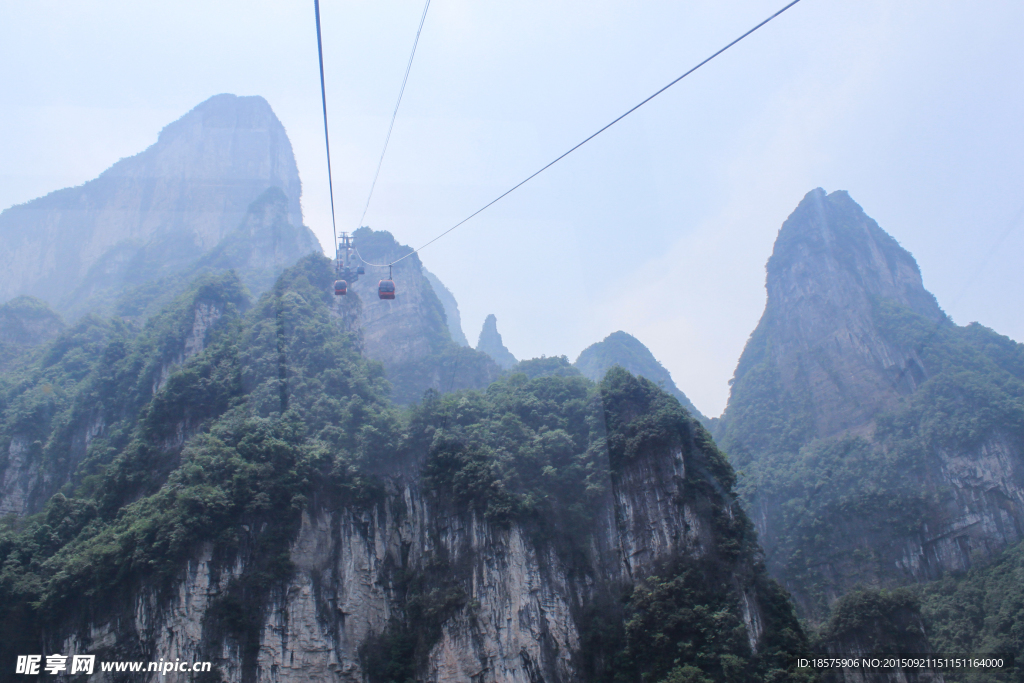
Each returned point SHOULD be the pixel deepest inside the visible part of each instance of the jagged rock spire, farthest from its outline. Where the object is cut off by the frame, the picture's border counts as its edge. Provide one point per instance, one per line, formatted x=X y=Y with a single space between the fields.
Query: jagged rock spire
x=818 y=343
x=491 y=344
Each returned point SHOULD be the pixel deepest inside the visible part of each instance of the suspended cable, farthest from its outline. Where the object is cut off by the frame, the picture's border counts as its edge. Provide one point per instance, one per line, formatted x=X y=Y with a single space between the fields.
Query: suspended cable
x=405 y=79
x=327 y=137
x=580 y=144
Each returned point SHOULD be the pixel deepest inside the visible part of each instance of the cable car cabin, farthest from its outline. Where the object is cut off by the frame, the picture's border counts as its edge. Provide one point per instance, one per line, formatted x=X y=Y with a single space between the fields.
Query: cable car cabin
x=386 y=289
x=341 y=287
x=360 y=271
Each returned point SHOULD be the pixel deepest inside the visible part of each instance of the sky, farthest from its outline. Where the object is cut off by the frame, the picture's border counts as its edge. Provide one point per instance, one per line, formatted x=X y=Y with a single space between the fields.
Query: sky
x=660 y=227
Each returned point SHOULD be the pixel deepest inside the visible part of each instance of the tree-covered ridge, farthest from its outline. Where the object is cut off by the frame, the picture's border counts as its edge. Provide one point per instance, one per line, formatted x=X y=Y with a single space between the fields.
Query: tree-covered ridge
x=25 y=323
x=276 y=413
x=625 y=350
x=279 y=407
x=979 y=613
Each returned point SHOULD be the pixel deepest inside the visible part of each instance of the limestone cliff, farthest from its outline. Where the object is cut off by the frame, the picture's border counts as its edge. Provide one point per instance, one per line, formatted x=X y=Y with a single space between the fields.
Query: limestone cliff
x=56 y=417
x=491 y=344
x=251 y=498
x=625 y=350
x=153 y=214
x=451 y=308
x=410 y=334
x=508 y=606
x=881 y=443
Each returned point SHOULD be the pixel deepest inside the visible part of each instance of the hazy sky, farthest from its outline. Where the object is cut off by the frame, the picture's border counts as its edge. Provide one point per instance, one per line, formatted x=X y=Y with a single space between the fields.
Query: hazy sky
x=661 y=226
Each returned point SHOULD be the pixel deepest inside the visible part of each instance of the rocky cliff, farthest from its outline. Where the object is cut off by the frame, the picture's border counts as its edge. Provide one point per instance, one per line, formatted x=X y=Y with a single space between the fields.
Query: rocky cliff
x=490 y=343
x=410 y=335
x=626 y=351
x=451 y=308
x=250 y=497
x=151 y=215
x=881 y=444
x=257 y=251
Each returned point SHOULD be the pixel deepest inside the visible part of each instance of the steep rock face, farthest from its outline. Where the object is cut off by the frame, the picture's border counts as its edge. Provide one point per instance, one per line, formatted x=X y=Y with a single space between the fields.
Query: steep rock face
x=519 y=620
x=268 y=510
x=882 y=444
x=150 y=215
x=412 y=325
x=48 y=430
x=491 y=344
x=410 y=334
x=451 y=308
x=625 y=350
x=257 y=250
x=818 y=335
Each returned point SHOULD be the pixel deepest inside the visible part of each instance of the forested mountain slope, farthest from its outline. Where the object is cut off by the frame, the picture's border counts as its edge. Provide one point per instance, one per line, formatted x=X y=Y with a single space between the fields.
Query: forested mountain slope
x=880 y=443
x=248 y=495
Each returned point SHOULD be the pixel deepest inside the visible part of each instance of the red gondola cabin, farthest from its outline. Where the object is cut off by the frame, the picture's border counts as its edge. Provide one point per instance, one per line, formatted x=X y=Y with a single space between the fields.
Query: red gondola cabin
x=340 y=287
x=386 y=289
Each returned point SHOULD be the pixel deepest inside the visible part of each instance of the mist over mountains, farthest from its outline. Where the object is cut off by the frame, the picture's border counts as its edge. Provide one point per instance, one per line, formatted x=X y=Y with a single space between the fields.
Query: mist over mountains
x=152 y=215
x=309 y=486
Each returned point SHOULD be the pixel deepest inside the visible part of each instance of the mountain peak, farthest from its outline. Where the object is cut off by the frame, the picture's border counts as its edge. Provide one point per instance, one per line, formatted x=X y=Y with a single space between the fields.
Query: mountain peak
x=223 y=111
x=490 y=343
x=829 y=238
x=181 y=196
x=820 y=344
x=625 y=350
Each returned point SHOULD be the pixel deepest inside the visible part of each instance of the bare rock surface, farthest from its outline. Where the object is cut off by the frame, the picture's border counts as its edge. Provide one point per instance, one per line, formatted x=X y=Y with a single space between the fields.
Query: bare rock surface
x=152 y=214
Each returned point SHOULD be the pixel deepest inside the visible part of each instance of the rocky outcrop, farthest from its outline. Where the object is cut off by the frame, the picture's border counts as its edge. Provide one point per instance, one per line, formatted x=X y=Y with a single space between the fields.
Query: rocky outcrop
x=830 y=266
x=626 y=351
x=850 y=412
x=410 y=334
x=451 y=308
x=151 y=215
x=491 y=344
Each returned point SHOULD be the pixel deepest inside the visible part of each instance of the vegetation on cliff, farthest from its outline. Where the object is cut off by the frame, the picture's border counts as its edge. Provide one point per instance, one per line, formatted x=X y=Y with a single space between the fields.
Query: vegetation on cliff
x=626 y=351
x=884 y=487
x=227 y=442
x=980 y=612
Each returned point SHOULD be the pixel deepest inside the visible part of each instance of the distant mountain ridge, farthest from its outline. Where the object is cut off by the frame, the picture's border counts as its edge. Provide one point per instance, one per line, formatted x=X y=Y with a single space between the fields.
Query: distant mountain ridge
x=625 y=350
x=451 y=308
x=151 y=215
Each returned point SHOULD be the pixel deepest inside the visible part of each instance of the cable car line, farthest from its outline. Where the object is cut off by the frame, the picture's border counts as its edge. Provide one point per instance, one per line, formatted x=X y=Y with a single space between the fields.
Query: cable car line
x=327 y=137
x=394 y=115
x=580 y=144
